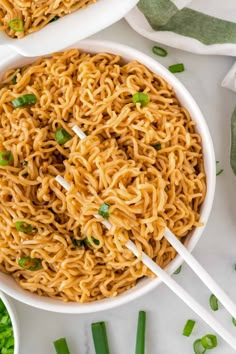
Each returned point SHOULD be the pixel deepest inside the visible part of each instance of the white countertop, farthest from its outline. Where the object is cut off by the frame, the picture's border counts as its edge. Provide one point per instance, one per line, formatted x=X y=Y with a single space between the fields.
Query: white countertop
x=166 y=314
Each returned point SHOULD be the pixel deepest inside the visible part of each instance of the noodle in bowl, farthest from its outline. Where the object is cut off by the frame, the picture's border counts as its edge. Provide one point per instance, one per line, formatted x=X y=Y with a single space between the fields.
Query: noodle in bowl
x=127 y=161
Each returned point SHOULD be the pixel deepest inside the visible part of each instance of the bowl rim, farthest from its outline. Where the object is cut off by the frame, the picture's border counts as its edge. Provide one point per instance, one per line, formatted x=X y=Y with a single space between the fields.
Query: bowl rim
x=186 y=99
x=12 y=313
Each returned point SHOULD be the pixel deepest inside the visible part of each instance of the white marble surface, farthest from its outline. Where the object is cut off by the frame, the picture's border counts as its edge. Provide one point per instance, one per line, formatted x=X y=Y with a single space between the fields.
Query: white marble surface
x=166 y=314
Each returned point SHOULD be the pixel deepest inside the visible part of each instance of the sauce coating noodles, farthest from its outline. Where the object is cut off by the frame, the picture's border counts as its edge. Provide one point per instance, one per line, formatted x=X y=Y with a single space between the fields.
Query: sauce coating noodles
x=145 y=162
x=35 y=14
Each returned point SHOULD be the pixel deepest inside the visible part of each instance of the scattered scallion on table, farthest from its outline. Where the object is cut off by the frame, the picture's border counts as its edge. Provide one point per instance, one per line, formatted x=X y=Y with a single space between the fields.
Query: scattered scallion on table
x=159 y=51
x=24 y=100
x=17 y=25
x=178 y=270
x=188 y=328
x=176 y=68
x=234 y=321
x=213 y=301
x=6 y=331
x=28 y=263
x=141 y=332
x=198 y=347
x=5 y=158
x=209 y=341
x=62 y=136
x=100 y=338
x=61 y=346
x=142 y=98
x=104 y=210
x=218 y=171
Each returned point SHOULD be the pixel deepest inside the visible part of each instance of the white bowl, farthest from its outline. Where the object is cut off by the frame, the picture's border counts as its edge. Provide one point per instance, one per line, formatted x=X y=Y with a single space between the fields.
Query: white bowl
x=8 y=285
x=12 y=314
x=70 y=28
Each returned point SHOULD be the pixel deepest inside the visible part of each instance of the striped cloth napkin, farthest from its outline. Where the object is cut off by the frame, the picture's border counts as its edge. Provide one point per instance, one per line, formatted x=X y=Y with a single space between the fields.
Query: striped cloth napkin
x=198 y=26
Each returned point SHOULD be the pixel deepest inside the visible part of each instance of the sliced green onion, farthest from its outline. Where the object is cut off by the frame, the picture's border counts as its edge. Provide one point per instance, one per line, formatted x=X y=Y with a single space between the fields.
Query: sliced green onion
x=24 y=100
x=159 y=51
x=140 y=336
x=100 y=338
x=14 y=80
x=176 y=68
x=77 y=243
x=104 y=210
x=55 y=18
x=178 y=270
x=17 y=25
x=157 y=146
x=6 y=331
x=234 y=321
x=61 y=346
x=188 y=328
x=213 y=301
x=219 y=171
x=29 y=263
x=198 y=347
x=209 y=341
x=97 y=242
x=142 y=98
x=23 y=226
x=62 y=136
x=5 y=158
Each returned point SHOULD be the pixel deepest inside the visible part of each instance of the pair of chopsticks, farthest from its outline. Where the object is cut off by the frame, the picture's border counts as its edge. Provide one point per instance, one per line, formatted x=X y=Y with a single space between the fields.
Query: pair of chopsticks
x=169 y=281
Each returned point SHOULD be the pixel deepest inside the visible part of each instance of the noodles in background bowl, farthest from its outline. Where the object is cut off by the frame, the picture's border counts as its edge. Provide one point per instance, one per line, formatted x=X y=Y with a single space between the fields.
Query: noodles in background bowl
x=146 y=163
x=33 y=15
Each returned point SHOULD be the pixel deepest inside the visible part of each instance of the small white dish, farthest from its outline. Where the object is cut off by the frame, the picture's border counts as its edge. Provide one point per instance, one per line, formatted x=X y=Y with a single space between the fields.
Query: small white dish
x=8 y=284
x=70 y=28
x=13 y=316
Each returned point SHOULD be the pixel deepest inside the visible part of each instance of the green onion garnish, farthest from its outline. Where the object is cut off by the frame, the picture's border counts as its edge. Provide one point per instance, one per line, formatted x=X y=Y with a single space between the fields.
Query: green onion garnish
x=140 y=336
x=176 y=68
x=61 y=346
x=159 y=51
x=6 y=331
x=219 y=171
x=29 y=263
x=76 y=242
x=198 y=347
x=213 y=301
x=24 y=100
x=142 y=98
x=234 y=321
x=100 y=338
x=235 y=266
x=178 y=270
x=157 y=146
x=97 y=242
x=55 y=18
x=5 y=158
x=209 y=341
x=14 y=80
x=17 y=25
x=188 y=328
x=62 y=136
x=23 y=226
x=104 y=210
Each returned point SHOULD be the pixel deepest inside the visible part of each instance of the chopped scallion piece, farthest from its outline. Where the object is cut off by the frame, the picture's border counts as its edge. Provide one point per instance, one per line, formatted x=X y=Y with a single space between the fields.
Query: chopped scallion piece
x=209 y=341
x=104 y=210
x=55 y=18
x=77 y=243
x=176 y=68
x=29 y=263
x=24 y=100
x=218 y=172
x=159 y=51
x=157 y=146
x=188 y=328
x=140 y=336
x=142 y=98
x=213 y=301
x=234 y=321
x=5 y=158
x=198 y=347
x=178 y=270
x=17 y=25
x=100 y=338
x=14 y=80
x=61 y=346
x=62 y=136
x=23 y=226
x=97 y=242
x=6 y=331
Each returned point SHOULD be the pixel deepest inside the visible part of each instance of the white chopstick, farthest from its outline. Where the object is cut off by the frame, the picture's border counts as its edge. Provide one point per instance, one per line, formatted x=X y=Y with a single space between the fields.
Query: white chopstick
x=171 y=283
